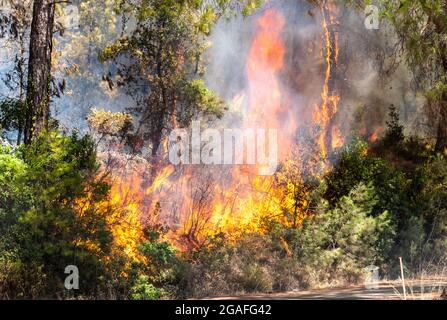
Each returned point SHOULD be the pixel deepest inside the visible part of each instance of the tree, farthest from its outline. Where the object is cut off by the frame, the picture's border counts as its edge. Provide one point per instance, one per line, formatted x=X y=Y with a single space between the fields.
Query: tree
x=160 y=61
x=356 y=166
x=347 y=238
x=52 y=213
x=297 y=182
x=395 y=131
x=14 y=33
x=86 y=79
x=422 y=29
x=39 y=69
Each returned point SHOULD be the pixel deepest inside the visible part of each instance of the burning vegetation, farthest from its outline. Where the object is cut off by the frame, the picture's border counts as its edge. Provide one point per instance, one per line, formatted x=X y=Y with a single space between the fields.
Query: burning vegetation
x=199 y=202
x=320 y=172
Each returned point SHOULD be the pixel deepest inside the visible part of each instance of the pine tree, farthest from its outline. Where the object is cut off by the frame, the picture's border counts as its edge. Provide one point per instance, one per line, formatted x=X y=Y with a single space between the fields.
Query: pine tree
x=395 y=131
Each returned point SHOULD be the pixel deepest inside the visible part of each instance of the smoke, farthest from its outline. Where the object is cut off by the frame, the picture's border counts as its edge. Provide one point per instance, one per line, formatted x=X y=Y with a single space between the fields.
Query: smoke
x=300 y=79
x=89 y=82
x=266 y=86
x=374 y=76
x=369 y=75
x=363 y=81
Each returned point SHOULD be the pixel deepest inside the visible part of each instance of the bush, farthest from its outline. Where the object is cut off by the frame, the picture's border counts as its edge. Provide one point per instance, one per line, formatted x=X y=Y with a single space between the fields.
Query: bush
x=356 y=166
x=338 y=243
x=144 y=290
x=331 y=247
x=256 y=263
x=162 y=268
x=49 y=216
x=425 y=236
x=254 y=278
x=367 y=210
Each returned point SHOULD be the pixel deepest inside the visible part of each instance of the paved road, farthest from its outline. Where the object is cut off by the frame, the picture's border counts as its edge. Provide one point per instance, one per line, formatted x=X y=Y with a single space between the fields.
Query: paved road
x=427 y=290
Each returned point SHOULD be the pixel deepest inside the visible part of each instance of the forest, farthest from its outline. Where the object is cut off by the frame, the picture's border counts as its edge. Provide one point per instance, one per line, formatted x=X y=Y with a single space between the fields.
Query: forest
x=188 y=149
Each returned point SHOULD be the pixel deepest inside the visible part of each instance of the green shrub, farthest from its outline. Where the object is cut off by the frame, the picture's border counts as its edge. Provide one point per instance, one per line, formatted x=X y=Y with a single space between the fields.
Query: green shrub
x=42 y=187
x=337 y=243
x=144 y=290
x=254 y=278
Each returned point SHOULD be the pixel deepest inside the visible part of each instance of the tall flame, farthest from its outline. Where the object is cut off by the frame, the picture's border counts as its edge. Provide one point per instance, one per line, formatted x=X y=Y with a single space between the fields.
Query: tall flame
x=265 y=60
x=329 y=138
x=198 y=203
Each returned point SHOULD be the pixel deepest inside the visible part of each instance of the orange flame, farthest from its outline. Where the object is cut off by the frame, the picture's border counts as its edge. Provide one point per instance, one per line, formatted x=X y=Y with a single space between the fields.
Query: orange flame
x=330 y=136
x=236 y=201
x=265 y=60
x=375 y=136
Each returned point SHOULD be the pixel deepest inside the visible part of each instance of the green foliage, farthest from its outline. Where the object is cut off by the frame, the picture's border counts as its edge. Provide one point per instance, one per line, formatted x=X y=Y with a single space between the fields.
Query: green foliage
x=160 y=274
x=340 y=242
x=433 y=212
x=422 y=44
x=144 y=290
x=44 y=227
x=198 y=95
x=165 y=56
x=436 y=92
x=162 y=262
x=355 y=166
x=395 y=131
x=160 y=254
x=12 y=114
x=421 y=26
x=11 y=168
x=409 y=183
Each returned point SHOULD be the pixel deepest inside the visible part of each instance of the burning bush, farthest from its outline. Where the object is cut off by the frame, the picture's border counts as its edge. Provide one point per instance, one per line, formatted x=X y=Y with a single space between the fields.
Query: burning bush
x=332 y=247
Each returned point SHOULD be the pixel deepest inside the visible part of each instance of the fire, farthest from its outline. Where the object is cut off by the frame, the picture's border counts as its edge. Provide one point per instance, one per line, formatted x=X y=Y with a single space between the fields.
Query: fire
x=237 y=203
x=161 y=179
x=200 y=202
x=324 y=115
x=255 y=196
x=337 y=138
x=125 y=222
x=268 y=101
x=265 y=60
x=375 y=135
x=122 y=213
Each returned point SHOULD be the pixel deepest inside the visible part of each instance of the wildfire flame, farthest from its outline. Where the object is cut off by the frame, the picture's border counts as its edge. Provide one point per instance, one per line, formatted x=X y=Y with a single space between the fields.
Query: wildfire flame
x=375 y=135
x=231 y=201
x=265 y=60
x=330 y=136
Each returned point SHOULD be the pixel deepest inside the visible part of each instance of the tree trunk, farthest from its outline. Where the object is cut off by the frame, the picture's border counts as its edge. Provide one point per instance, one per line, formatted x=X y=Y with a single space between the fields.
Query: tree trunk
x=441 y=138
x=39 y=69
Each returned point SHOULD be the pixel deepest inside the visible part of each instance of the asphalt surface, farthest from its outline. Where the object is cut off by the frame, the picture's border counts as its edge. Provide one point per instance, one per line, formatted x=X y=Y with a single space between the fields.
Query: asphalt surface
x=415 y=290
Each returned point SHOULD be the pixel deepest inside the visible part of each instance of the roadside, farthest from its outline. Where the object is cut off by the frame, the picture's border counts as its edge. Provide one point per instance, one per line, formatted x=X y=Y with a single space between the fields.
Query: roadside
x=415 y=290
